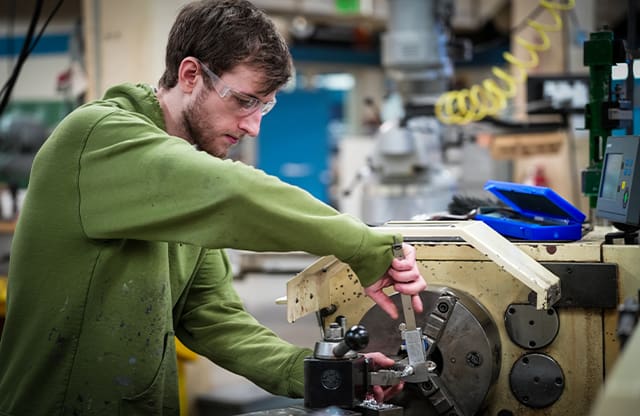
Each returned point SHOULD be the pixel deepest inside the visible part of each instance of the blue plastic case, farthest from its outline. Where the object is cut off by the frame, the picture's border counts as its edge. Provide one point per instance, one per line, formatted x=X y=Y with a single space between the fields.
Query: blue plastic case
x=534 y=213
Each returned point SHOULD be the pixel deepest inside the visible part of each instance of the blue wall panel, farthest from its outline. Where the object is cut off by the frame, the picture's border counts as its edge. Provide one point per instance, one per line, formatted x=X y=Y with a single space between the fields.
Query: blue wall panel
x=48 y=44
x=294 y=142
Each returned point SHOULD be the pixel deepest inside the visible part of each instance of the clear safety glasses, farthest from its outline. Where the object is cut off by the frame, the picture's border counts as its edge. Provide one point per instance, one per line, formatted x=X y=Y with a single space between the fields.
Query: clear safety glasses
x=243 y=104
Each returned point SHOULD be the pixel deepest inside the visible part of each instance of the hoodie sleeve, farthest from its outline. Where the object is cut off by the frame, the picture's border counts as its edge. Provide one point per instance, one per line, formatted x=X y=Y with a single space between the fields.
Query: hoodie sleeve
x=215 y=324
x=135 y=181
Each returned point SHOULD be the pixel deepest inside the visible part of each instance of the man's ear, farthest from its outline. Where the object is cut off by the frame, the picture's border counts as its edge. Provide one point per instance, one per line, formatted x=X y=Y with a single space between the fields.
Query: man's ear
x=188 y=73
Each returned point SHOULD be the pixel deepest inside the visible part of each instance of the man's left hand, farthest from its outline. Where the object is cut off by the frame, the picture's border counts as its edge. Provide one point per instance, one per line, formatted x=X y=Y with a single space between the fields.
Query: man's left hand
x=383 y=393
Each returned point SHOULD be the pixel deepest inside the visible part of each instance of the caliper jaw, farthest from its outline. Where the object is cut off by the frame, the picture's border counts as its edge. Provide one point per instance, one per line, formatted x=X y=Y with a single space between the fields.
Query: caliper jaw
x=416 y=367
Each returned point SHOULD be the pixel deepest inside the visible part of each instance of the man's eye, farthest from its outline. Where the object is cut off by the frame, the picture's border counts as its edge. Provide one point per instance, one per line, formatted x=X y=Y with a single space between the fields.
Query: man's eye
x=246 y=103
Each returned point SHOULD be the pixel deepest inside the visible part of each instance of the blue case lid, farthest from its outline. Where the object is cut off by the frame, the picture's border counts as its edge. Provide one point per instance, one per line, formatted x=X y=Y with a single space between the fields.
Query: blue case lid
x=535 y=201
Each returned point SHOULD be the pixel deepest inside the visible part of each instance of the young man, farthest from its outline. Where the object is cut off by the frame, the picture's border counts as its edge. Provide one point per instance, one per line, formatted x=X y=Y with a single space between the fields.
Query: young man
x=119 y=246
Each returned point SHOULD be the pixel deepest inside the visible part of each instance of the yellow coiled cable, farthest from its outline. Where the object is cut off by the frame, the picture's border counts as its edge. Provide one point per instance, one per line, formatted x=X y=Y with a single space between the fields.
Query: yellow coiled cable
x=490 y=96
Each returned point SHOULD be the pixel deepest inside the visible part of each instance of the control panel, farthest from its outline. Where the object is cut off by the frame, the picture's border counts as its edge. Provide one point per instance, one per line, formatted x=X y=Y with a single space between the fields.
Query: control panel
x=619 y=192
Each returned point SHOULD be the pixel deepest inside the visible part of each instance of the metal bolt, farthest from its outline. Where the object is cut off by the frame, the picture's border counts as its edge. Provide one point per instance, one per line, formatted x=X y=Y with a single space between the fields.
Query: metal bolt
x=474 y=359
x=443 y=307
x=427 y=386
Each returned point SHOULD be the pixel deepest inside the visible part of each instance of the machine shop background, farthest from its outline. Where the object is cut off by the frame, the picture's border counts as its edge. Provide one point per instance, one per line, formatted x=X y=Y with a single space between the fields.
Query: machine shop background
x=334 y=134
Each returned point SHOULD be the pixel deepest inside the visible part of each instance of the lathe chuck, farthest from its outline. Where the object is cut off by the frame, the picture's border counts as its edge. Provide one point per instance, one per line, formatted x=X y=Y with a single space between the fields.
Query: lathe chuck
x=467 y=354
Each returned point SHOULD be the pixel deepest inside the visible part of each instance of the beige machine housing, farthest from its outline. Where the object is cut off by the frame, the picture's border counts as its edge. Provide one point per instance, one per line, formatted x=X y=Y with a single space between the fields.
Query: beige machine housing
x=583 y=347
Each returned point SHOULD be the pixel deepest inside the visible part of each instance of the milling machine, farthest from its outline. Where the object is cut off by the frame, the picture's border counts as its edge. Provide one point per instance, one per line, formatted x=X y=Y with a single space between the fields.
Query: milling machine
x=406 y=172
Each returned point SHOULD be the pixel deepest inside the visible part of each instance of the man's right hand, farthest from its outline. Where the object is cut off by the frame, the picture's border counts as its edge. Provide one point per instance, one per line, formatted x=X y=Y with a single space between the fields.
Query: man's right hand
x=404 y=276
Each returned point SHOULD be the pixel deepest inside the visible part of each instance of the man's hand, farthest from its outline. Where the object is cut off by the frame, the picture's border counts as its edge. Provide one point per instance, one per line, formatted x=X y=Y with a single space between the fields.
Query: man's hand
x=380 y=393
x=405 y=278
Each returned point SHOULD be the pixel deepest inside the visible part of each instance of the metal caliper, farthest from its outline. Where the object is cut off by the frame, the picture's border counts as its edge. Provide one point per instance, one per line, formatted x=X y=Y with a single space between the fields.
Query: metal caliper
x=417 y=366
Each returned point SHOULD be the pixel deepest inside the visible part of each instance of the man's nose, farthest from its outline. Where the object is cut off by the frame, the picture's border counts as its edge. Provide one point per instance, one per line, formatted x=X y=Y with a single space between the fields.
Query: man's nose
x=251 y=123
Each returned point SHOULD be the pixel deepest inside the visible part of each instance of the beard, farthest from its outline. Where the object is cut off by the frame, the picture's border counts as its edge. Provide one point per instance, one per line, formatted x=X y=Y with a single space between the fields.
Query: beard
x=193 y=124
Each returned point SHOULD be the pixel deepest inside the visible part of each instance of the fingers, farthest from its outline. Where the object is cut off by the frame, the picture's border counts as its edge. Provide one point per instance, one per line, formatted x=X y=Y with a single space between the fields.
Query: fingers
x=379 y=359
x=392 y=391
x=383 y=394
x=385 y=303
x=405 y=278
x=405 y=271
x=411 y=288
x=378 y=394
x=416 y=301
x=408 y=261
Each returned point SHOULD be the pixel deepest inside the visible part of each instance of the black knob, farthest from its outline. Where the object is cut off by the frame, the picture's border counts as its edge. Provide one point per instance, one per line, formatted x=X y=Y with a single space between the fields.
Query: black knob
x=356 y=339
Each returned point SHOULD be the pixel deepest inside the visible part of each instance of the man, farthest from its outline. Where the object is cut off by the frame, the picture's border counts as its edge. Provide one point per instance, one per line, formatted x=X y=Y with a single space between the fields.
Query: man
x=119 y=245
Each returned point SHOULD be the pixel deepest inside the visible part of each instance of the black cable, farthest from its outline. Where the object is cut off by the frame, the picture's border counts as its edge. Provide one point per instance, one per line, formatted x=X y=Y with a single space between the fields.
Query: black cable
x=46 y=23
x=11 y=17
x=8 y=86
x=27 y=47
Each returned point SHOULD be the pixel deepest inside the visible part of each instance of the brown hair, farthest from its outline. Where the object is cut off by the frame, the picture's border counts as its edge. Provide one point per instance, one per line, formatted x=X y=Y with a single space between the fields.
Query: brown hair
x=223 y=34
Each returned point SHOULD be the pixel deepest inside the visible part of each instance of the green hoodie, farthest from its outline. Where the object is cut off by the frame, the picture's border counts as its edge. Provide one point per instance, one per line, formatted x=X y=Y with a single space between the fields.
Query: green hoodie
x=119 y=247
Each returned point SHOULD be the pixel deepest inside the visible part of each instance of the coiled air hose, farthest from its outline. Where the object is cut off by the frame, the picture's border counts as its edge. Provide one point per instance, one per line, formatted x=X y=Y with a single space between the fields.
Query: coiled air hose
x=490 y=96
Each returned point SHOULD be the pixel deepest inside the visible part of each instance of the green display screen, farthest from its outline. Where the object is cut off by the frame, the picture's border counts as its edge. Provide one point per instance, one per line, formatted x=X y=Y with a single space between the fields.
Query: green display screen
x=611 y=172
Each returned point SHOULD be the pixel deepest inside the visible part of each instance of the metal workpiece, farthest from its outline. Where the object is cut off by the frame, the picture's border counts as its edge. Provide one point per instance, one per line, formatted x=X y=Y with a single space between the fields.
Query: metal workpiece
x=529 y=327
x=370 y=407
x=536 y=380
x=466 y=356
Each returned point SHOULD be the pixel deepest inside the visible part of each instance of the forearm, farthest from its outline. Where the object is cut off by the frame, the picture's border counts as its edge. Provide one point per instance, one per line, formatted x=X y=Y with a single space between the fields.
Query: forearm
x=257 y=354
x=215 y=324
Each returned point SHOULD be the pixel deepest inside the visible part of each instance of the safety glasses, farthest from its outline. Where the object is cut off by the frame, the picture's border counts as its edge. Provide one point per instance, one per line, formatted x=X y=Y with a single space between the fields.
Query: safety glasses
x=242 y=104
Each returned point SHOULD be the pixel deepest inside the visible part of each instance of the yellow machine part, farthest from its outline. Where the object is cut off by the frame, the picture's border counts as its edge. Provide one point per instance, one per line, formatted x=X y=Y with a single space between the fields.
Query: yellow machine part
x=184 y=355
x=3 y=296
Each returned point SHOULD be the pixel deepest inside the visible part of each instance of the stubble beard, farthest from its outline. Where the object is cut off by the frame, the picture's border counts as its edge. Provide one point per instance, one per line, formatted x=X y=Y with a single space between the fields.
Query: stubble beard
x=192 y=125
